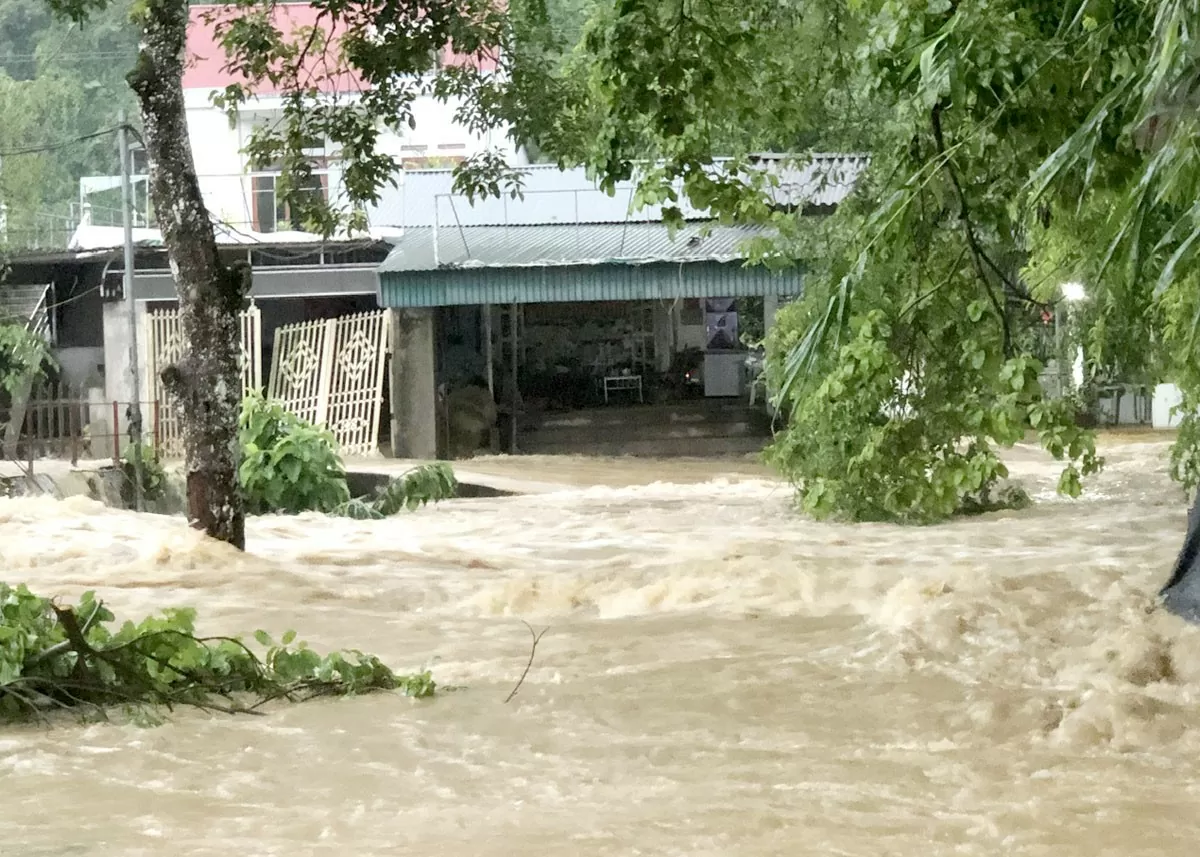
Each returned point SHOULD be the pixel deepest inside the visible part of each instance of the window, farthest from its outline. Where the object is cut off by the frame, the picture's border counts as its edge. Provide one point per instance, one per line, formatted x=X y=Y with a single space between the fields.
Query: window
x=273 y=214
x=431 y=162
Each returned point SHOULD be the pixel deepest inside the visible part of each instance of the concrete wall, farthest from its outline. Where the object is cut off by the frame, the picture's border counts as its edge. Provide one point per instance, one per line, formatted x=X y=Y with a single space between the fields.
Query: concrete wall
x=216 y=148
x=82 y=367
x=413 y=391
x=281 y=282
x=118 y=377
x=1166 y=398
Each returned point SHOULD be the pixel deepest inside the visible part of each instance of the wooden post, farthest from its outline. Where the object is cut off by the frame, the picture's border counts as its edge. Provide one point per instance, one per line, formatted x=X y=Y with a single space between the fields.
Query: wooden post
x=512 y=333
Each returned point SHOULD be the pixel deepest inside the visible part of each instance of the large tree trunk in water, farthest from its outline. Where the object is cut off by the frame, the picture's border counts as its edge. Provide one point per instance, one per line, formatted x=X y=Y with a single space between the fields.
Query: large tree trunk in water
x=207 y=381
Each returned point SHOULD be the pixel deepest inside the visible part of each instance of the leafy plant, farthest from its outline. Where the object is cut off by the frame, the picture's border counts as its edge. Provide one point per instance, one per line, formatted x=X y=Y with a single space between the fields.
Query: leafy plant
x=75 y=658
x=291 y=466
x=288 y=464
x=428 y=483
x=153 y=476
x=23 y=356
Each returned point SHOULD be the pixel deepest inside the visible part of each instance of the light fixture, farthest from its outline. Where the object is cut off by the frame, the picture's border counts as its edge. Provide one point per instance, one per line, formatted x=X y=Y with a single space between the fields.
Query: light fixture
x=1073 y=292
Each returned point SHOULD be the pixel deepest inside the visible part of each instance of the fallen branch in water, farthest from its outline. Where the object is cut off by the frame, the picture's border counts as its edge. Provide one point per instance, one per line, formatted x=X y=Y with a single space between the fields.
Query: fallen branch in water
x=537 y=638
x=51 y=660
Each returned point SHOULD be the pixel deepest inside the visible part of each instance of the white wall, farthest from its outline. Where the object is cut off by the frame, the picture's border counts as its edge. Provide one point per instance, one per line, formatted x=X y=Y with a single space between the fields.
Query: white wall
x=216 y=149
x=80 y=367
x=118 y=379
x=221 y=164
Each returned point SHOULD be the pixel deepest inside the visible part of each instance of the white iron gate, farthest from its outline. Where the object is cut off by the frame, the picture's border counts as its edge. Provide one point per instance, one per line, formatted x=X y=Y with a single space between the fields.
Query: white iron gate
x=164 y=345
x=330 y=372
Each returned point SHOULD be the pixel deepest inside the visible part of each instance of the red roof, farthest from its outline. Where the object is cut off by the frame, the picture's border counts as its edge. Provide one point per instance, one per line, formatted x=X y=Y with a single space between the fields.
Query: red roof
x=206 y=58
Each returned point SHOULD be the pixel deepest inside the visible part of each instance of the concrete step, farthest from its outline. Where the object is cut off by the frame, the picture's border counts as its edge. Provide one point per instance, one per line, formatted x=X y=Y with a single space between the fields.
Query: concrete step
x=634 y=432
x=703 y=447
x=655 y=414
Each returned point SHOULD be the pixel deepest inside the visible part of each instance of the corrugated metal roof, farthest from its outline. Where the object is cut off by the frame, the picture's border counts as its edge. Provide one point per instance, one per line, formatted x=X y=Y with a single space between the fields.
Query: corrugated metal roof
x=427 y=249
x=653 y=281
x=551 y=195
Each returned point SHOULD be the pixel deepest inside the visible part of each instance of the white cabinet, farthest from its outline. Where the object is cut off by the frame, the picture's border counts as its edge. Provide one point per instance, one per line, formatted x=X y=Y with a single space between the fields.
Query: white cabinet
x=724 y=374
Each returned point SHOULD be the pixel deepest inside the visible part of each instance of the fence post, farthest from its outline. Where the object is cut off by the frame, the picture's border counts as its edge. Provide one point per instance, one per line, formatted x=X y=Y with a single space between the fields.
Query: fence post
x=74 y=426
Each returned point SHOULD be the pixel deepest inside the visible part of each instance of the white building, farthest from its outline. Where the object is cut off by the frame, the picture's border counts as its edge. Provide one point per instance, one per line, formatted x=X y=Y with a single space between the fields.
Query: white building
x=244 y=199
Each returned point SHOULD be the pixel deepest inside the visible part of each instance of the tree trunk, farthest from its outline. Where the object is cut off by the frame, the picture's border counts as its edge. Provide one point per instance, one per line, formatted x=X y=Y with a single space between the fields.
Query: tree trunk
x=16 y=417
x=206 y=383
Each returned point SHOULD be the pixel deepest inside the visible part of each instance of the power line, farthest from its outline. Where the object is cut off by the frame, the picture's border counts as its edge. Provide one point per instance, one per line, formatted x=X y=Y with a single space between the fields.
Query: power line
x=70 y=299
x=14 y=59
x=59 y=144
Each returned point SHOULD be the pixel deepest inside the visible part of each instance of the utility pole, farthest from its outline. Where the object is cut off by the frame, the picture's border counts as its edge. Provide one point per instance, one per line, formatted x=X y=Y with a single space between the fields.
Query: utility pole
x=135 y=408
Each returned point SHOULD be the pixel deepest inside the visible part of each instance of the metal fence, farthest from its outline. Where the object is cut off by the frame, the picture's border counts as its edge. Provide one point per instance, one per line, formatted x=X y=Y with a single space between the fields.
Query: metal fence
x=58 y=421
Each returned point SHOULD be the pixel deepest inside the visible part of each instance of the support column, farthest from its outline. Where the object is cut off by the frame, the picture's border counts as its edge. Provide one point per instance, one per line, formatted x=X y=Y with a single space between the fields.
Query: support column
x=118 y=368
x=413 y=385
x=770 y=307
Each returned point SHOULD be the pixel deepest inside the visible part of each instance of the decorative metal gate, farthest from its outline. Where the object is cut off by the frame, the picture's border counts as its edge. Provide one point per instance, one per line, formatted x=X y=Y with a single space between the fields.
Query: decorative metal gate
x=330 y=372
x=164 y=345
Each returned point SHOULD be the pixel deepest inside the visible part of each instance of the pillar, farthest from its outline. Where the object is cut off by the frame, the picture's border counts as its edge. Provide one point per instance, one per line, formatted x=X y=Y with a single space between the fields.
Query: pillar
x=770 y=307
x=413 y=385
x=118 y=372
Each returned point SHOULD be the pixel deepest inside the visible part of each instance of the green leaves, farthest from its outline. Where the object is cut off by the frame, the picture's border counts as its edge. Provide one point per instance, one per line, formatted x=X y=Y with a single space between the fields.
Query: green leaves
x=71 y=658
x=288 y=465
x=24 y=357
x=428 y=483
x=291 y=466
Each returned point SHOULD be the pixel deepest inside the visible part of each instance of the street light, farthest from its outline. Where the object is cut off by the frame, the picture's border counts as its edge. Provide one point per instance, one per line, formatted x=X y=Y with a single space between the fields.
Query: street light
x=1073 y=292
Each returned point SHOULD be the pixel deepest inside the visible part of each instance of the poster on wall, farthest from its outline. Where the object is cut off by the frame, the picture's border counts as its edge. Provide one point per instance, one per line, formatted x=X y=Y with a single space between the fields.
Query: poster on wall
x=721 y=331
x=720 y=324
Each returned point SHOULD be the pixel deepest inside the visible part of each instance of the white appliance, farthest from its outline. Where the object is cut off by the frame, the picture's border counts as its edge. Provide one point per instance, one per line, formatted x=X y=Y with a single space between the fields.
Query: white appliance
x=1162 y=408
x=724 y=374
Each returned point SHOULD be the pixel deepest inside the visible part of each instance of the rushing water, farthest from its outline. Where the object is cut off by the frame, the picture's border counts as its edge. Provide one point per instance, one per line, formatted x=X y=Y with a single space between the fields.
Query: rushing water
x=720 y=678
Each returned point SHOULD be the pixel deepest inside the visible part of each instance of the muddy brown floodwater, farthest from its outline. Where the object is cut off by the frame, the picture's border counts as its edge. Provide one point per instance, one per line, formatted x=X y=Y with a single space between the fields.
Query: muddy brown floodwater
x=721 y=677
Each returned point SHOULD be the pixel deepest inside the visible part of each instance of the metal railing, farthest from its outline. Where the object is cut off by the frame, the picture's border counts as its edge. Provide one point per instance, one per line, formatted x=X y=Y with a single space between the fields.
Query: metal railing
x=60 y=422
x=50 y=229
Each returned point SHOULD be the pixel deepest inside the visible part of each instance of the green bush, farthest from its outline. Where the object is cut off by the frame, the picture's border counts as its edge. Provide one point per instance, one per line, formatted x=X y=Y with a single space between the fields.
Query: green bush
x=154 y=477
x=288 y=464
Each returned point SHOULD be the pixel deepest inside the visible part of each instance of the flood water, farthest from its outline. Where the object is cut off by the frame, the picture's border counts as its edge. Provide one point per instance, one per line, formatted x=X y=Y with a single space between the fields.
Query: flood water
x=720 y=677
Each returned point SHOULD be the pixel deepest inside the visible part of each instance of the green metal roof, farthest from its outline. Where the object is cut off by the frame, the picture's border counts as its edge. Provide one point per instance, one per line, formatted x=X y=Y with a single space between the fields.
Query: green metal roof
x=571 y=283
x=428 y=248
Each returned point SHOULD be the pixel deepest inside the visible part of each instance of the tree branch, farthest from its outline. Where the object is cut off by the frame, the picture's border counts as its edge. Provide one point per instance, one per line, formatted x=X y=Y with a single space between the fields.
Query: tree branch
x=537 y=637
x=964 y=217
